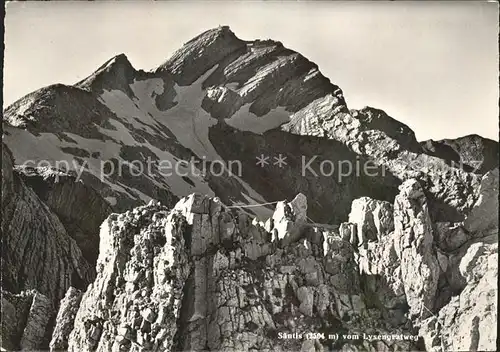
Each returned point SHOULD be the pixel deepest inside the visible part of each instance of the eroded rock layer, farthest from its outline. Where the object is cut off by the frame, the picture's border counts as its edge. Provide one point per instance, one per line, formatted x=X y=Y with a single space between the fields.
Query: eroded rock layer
x=37 y=252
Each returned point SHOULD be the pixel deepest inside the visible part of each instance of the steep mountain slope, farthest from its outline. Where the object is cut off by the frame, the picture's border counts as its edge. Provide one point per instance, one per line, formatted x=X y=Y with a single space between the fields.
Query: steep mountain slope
x=475 y=153
x=37 y=251
x=49 y=244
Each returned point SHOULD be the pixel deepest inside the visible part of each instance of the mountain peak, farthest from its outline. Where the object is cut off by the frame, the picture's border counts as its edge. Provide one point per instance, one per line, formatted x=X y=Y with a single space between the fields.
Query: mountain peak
x=220 y=32
x=116 y=73
x=201 y=53
x=120 y=59
x=473 y=151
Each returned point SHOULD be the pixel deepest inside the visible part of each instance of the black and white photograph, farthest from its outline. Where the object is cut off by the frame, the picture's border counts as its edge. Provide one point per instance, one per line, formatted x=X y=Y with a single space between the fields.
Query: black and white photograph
x=246 y=176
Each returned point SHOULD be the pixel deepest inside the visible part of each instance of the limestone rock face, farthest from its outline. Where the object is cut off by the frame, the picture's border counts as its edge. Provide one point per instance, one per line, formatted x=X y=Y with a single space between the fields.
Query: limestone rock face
x=419 y=265
x=26 y=320
x=136 y=297
x=288 y=219
x=376 y=119
x=473 y=152
x=450 y=235
x=441 y=274
x=37 y=252
x=468 y=321
x=79 y=207
x=483 y=218
x=116 y=73
x=247 y=290
x=373 y=218
x=452 y=189
x=213 y=45
x=36 y=328
x=14 y=310
x=203 y=276
x=65 y=320
x=40 y=260
x=58 y=109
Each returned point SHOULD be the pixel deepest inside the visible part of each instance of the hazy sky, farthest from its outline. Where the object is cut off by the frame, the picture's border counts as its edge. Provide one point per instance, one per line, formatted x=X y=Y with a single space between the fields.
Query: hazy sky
x=431 y=65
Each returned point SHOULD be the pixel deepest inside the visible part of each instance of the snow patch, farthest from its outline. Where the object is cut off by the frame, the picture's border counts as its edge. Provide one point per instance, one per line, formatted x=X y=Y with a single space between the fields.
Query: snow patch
x=188 y=120
x=111 y=200
x=143 y=107
x=125 y=108
x=190 y=124
x=244 y=120
x=232 y=86
x=311 y=74
x=176 y=182
x=120 y=133
x=30 y=150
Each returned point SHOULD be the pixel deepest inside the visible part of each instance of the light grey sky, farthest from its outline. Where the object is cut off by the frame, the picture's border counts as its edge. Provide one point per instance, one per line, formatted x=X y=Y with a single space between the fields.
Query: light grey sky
x=431 y=65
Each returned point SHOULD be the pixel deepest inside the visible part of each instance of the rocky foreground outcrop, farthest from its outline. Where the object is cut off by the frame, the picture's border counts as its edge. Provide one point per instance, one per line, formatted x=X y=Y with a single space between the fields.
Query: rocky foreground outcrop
x=468 y=321
x=202 y=276
x=26 y=320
